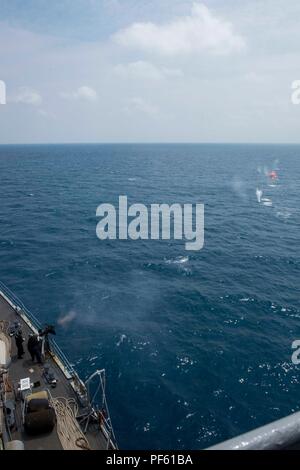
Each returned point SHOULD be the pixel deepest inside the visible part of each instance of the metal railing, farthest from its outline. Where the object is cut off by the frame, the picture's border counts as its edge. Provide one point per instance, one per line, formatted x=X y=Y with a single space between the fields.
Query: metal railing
x=78 y=385
x=278 y=435
x=35 y=323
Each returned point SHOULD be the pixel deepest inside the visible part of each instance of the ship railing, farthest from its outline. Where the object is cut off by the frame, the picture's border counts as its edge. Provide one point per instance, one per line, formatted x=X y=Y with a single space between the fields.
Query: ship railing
x=106 y=423
x=283 y=434
x=64 y=364
x=35 y=325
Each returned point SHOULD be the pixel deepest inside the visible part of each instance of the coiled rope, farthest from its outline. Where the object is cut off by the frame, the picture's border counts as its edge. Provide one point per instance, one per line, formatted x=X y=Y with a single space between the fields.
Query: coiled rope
x=68 y=428
x=4 y=325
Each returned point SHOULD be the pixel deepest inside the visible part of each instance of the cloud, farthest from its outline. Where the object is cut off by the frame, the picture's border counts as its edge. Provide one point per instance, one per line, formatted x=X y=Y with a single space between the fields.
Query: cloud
x=254 y=85
x=82 y=93
x=197 y=33
x=145 y=71
x=45 y=114
x=253 y=77
x=142 y=106
x=27 y=96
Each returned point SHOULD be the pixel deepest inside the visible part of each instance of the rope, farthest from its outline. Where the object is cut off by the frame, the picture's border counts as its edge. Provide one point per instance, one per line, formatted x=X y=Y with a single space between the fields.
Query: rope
x=68 y=429
x=8 y=387
x=4 y=325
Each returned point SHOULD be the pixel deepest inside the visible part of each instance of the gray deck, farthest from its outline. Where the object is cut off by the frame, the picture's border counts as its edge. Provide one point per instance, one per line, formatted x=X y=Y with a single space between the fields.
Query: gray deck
x=26 y=368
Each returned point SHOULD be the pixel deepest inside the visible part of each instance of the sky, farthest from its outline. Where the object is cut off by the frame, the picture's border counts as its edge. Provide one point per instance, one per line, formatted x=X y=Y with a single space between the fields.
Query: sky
x=149 y=71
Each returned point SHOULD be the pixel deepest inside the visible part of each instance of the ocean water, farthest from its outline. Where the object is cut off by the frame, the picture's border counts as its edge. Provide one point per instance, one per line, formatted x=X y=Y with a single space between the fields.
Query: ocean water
x=197 y=345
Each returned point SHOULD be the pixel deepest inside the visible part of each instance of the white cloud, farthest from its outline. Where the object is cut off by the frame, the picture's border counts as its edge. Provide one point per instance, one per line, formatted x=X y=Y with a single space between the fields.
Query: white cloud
x=201 y=31
x=145 y=71
x=82 y=93
x=142 y=106
x=86 y=93
x=27 y=96
x=45 y=114
x=250 y=86
x=254 y=77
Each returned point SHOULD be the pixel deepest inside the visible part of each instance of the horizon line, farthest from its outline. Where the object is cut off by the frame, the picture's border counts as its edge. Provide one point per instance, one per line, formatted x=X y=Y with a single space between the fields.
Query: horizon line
x=147 y=143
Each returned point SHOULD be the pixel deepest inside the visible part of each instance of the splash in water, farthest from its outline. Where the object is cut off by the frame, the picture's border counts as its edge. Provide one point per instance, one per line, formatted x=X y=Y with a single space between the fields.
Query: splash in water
x=259 y=194
x=122 y=338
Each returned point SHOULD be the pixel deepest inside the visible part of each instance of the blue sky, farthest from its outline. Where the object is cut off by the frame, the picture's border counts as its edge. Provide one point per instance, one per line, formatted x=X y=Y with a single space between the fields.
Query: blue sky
x=157 y=70
x=86 y=19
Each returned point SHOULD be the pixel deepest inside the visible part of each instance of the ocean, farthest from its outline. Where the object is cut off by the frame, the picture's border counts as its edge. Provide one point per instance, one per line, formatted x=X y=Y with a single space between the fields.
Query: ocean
x=196 y=345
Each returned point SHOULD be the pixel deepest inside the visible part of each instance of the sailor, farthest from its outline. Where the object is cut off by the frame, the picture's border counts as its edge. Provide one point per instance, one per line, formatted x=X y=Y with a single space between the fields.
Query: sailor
x=30 y=346
x=39 y=350
x=19 y=343
x=34 y=349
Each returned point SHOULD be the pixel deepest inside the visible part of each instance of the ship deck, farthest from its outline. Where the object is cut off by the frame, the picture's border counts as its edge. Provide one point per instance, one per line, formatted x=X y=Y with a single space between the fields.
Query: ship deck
x=22 y=368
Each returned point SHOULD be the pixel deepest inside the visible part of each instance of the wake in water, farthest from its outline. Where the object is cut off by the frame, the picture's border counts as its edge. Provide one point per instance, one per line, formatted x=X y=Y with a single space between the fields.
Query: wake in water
x=264 y=200
x=284 y=214
x=281 y=212
x=267 y=202
x=271 y=180
x=178 y=260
